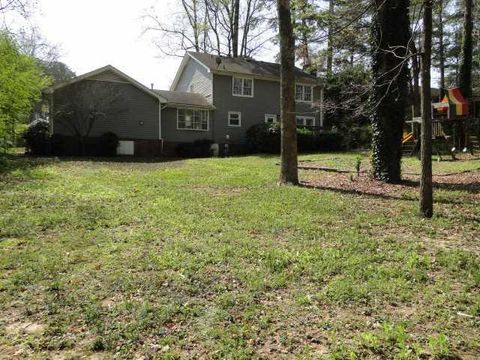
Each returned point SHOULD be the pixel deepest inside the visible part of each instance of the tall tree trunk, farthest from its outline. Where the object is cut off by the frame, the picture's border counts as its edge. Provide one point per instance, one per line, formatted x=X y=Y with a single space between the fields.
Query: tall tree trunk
x=426 y=192
x=331 y=9
x=246 y=29
x=389 y=98
x=465 y=75
x=304 y=42
x=235 y=27
x=441 y=50
x=289 y=161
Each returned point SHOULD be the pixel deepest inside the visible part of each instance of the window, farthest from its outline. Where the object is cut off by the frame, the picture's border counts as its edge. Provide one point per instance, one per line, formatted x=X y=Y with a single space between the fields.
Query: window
x=303 y=93
x=192 y=119
x=242 y=87
x=271 y=118
x=305 y=121
x=234 y=118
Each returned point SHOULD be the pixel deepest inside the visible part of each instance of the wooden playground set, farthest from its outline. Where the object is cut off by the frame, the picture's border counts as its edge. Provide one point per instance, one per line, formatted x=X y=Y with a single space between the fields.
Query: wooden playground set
x=455 y=127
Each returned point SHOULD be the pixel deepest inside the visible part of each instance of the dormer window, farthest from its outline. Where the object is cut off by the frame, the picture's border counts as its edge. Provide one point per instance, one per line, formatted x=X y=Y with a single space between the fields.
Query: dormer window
x=303 y=93
x=242 y=86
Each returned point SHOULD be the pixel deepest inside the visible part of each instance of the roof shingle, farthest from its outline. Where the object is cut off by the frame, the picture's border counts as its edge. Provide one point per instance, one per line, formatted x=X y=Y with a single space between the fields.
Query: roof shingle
x=185 y=98
x=246 y=66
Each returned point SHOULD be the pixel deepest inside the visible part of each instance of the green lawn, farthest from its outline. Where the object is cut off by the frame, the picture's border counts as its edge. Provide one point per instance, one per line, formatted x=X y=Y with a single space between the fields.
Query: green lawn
x=209 y=258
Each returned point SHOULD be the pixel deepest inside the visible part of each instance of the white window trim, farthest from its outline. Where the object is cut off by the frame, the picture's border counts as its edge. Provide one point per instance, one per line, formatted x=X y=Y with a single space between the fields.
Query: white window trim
x=304 y=101
x=304 y=120
x=243 y=78
x=193 y=109
x=239 y=118
x=271 y=116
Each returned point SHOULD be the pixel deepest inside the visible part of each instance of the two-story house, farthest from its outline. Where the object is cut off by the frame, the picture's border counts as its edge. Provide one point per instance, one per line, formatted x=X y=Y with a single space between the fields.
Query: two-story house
x=212 y=97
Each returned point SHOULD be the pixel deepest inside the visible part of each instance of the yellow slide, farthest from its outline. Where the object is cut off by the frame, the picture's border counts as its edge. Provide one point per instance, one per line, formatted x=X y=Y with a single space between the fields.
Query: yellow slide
x=407 y=137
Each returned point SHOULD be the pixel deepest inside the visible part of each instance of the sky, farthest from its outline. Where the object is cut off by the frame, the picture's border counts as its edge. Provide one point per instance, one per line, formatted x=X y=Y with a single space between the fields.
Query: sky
x=94 y=33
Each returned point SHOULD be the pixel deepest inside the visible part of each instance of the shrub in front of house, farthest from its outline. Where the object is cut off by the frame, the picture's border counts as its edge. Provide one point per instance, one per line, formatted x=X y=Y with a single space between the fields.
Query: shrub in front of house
x=357 y=137
x=105 y=145
x=37 y=137
x=196 y=149
x=330 y=141
x=108 y=144
x=266 y=138
x=307 y=140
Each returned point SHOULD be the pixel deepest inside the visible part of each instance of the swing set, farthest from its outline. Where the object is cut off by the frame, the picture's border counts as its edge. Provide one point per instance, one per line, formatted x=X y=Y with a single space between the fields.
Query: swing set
x=453 y=127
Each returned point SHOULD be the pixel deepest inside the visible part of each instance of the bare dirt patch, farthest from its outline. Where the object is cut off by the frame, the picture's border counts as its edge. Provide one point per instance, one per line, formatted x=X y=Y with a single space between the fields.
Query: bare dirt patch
x=25 y=328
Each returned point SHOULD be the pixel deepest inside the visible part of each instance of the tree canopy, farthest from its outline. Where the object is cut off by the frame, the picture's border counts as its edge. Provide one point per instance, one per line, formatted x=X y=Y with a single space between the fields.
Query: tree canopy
x=21 y=82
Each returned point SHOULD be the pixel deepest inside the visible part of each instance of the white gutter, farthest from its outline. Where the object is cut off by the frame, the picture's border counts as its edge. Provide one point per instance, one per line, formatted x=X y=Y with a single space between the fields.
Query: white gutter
x=159 y=119
x=160 y=124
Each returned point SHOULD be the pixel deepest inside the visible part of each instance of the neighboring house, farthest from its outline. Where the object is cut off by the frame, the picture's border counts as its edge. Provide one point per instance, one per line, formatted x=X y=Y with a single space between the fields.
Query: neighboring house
x=212 y=97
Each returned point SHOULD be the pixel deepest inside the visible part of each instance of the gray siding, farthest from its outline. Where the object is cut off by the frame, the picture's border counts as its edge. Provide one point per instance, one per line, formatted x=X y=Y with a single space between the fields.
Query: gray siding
x=135 y=114
x=171 y=134
x=108 y=76
x=197 y=76
x=266 y=100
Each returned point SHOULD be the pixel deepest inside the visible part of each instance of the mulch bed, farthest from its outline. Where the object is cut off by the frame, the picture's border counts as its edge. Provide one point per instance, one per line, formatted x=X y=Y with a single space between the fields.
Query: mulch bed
x=349 y=182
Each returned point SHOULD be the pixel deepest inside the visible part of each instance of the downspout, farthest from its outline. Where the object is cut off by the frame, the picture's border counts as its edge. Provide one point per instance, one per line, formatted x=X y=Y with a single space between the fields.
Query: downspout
x=160 y=108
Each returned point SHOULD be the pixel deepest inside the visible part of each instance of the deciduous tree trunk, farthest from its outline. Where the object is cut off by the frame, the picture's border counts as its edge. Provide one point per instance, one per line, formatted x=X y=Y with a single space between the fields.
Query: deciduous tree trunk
x=389 y=99
x=426 y=192
x=465 y=75
x=235 y=27
x=289 y=161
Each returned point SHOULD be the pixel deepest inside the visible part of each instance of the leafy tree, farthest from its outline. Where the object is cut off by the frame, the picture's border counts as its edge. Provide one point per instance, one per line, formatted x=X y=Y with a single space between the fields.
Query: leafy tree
x=390 y=37
x=58 y=71
x=309 y=25
x=21 y=82
x=346 y=93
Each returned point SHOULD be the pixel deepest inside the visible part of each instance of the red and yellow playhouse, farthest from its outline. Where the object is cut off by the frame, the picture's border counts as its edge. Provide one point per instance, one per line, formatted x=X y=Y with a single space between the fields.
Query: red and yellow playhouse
x=453 y=106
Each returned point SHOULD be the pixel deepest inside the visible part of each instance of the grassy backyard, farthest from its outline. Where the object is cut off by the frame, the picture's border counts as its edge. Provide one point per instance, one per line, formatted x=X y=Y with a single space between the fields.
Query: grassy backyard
x=209 y=258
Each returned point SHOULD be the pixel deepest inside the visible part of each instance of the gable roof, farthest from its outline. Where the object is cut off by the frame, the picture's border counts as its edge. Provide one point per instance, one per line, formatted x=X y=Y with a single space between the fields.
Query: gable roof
x=109 y=68
x=185 y=98
x=246 y=66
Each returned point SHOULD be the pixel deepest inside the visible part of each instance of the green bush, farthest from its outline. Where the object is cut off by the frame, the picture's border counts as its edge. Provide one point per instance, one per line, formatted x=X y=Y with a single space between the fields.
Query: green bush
x=307 y=140
x=265 y=138
x=197 y=149
x=105 y=145
x=37 y=138
x=330 y=141
x=357 y=137
x=109 y=144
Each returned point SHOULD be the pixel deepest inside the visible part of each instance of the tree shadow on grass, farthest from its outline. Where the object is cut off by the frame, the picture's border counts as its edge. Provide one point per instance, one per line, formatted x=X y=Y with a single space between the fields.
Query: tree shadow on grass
x=10 y=163
x=398 y=195
x=119 y=159
x=470 y=187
